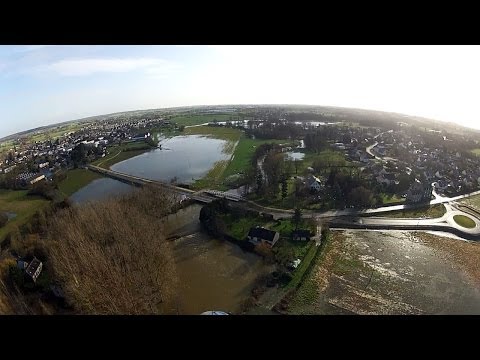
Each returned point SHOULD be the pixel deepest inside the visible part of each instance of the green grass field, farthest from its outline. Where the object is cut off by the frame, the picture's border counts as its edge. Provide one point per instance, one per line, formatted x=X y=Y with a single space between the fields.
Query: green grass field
x=476 y=151
x=200 y=119
x=54 y=134
x=76 y=179
x=434 y=211
x=240 y=161
x=20 y=203
x=239 y=227
x=464 y=221
x=389 y=199
x=244 y=153
x=118 y=153
x=304 y=266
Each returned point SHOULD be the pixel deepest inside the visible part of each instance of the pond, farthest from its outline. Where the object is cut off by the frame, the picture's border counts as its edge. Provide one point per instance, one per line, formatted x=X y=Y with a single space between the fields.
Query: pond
x=185 y=158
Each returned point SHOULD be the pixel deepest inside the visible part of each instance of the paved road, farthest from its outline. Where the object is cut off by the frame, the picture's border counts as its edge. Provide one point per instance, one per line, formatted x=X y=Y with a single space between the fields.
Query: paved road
x=350 y=215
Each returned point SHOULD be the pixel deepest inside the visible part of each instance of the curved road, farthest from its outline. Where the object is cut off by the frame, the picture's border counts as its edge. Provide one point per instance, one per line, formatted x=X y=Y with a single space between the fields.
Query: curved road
x=353 y=217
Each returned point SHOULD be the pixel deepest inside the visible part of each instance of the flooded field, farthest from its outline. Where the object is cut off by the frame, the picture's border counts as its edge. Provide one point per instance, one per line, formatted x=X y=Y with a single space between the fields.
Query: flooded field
x=213 y=274
x=184 y=158
x=374 y=272
x=100 y=189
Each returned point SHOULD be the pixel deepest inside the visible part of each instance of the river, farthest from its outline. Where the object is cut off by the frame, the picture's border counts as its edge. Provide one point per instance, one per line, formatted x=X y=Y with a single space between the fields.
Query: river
x=213 y=274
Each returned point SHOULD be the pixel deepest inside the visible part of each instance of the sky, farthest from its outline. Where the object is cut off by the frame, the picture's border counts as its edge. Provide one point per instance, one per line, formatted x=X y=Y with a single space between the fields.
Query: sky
x=41 y=85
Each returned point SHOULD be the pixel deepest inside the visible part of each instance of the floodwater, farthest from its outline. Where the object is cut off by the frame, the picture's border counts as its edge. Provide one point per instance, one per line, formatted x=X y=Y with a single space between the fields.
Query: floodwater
x=100 y=189
x=375 y=272
x=213 y=274
x=186 y=158
x=295 y=155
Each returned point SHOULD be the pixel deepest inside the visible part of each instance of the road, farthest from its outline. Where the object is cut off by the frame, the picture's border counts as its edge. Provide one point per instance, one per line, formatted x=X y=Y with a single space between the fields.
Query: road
x=352 y=217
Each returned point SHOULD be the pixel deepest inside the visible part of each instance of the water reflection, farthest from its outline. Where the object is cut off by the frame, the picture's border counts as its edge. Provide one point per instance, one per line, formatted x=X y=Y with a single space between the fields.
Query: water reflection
x=100 y=189
x=186 y=158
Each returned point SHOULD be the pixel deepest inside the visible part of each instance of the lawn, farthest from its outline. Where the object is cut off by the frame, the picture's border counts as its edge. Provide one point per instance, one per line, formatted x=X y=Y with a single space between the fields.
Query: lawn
x=476 y=151
x=201 y=119
x=304 y=266
x=239 y=227
x=464 y=221
x=434 y=211
x=327 y=156
x=389 y=199
x=244 y=152
x=20 y=203
x=76 y=179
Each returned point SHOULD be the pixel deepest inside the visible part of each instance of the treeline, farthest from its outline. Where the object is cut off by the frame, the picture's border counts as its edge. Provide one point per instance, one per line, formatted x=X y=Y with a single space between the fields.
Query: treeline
x=274 y=130
x=108 y=257
x=348 y=190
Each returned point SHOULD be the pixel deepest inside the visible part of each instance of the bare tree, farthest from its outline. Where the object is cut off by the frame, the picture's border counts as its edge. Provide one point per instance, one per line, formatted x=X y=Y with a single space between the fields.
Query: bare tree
x=112 y=257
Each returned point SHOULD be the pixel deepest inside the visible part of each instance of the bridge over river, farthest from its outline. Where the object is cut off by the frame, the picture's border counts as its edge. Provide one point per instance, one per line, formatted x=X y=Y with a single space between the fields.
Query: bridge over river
x=348 y=218
x=202 y=196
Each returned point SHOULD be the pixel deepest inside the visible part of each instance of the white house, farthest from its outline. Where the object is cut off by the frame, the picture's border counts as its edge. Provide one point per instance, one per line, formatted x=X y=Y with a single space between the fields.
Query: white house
x=314 y=183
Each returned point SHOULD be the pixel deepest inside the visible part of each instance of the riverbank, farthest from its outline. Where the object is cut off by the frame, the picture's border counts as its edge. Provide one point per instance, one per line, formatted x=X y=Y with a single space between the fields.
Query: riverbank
x=77 y=179
x=123 y=152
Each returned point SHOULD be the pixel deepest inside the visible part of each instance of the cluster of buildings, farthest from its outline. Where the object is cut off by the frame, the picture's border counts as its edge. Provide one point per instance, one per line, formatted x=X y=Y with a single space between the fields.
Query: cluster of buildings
x=42 y=159
x=427 y=157
x=438 y=162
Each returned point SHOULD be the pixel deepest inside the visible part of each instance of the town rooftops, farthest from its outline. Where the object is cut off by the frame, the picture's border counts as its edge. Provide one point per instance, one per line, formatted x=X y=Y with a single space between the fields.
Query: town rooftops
x=262 y=233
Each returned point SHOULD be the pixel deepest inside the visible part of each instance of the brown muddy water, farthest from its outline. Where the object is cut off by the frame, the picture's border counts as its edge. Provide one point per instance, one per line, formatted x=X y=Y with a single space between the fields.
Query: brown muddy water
x=213 y=274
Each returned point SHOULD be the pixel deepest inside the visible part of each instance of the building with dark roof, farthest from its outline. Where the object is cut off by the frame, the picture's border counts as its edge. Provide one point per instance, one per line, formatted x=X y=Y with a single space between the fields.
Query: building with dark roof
x=301 y=235
x=419 y=192
x=34 y=269
x=258 y=235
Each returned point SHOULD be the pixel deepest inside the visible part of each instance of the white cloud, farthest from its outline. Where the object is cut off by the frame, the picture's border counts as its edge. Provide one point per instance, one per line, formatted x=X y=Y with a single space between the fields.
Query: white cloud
x=83 y=67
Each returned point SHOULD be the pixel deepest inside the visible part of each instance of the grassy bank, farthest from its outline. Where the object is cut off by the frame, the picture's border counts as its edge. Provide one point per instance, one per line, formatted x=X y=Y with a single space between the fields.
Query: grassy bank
x=76 y=179
x=238 y=145
x=434 y=211
x=20 y=203
x=216 y=176
x=304 y=266
x=244 y=153
x=120 y=153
